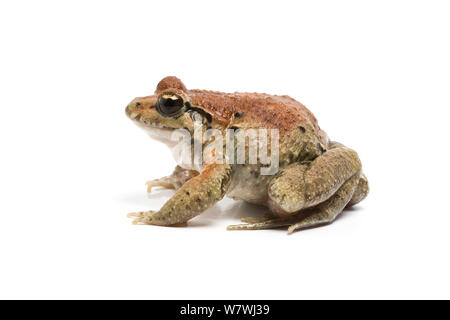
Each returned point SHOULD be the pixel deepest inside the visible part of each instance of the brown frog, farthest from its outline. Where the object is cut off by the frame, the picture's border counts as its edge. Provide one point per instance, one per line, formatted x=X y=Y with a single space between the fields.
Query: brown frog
x=315 y=179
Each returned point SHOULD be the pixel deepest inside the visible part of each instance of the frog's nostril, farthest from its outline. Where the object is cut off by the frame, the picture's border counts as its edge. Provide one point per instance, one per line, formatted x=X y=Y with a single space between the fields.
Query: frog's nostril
x=138 y=104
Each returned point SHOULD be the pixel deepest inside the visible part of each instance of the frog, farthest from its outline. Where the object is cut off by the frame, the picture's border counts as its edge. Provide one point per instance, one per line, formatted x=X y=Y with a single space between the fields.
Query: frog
x=316 y=177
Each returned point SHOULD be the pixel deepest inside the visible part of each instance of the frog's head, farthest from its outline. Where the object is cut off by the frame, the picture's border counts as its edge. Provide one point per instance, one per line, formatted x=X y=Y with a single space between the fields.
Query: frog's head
x=165 y=111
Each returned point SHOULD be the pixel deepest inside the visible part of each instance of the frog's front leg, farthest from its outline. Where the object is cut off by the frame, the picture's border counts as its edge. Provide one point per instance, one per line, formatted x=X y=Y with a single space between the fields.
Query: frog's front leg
x=177 y=179
x=195 y=196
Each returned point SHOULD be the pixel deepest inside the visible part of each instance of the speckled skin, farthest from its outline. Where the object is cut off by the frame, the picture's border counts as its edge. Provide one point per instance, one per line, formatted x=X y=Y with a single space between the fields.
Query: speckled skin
x=316 y=181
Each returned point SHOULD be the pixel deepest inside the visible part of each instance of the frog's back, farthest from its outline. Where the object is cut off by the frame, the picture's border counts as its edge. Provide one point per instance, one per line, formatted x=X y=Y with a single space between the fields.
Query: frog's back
x=256 y=110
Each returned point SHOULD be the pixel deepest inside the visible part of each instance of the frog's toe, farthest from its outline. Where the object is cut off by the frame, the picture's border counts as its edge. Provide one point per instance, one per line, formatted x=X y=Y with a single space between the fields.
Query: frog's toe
x=309 y=223
x=149 y=184
x=141 y=217
x=158 y=183
x=265 y=224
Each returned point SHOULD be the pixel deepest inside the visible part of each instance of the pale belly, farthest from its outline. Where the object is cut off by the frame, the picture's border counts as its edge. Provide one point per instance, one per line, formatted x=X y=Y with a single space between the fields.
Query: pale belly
x=248 y=185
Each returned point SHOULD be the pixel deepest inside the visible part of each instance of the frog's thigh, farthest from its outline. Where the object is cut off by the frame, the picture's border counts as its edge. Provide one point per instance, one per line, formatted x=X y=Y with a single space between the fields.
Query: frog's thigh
x=301 y=186
x=287 y=190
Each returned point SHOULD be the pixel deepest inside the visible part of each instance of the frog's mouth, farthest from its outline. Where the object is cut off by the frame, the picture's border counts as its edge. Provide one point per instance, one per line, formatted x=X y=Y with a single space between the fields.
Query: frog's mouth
x=166 y=135
x=158 y=132
x=136 y=117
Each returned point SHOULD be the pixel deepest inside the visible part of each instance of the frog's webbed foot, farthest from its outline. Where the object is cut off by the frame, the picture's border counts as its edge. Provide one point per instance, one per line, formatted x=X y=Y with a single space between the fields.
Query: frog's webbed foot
x=175 y=181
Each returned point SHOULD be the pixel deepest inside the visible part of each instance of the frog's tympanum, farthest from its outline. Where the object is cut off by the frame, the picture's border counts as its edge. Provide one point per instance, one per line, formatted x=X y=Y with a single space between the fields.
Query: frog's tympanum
x=316 y=178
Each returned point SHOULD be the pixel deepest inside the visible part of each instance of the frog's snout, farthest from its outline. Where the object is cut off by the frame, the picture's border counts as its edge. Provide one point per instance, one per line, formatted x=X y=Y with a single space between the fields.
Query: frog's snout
x=132 y=110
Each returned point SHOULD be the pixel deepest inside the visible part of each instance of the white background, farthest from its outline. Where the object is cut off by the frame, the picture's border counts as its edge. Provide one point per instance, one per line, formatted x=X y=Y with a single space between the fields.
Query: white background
x=375 y=73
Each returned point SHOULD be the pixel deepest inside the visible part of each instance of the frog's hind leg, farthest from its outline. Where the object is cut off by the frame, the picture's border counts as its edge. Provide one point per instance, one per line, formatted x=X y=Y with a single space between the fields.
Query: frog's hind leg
x=263 y=224
x=361 y=191
x=327 y=211
x=363 y=185
x=322 y=214
x=309 y=194
x=305 y=185
x=175 y=181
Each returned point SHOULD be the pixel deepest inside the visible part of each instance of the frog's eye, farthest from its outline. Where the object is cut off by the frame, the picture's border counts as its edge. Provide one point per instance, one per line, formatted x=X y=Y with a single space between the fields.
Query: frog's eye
x=169 y=104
